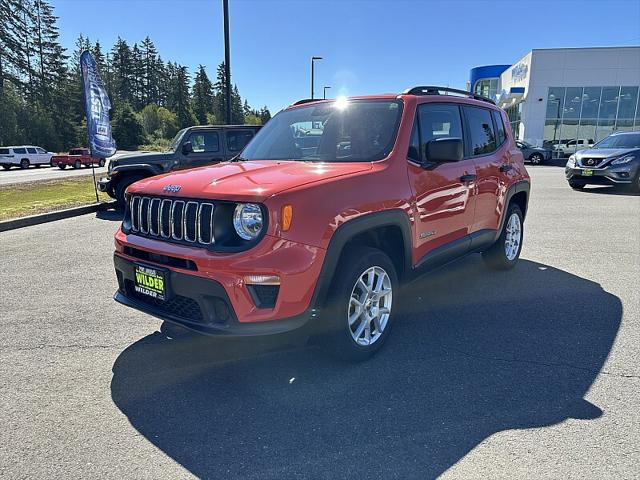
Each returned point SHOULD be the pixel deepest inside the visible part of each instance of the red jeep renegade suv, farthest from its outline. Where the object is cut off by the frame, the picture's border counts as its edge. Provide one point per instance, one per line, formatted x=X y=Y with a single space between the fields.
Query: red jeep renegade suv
x=326 y=211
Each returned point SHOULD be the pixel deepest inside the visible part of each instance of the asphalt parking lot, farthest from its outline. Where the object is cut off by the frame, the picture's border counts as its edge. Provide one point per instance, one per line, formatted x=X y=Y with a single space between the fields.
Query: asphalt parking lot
x=532 y=373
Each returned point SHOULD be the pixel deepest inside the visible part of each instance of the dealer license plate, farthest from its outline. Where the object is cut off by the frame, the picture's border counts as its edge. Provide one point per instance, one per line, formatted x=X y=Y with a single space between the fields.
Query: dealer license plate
x=150 y=282
x=587 y=173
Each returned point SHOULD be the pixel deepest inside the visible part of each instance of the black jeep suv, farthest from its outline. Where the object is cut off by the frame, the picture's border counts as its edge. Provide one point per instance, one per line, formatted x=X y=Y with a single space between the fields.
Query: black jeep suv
x=614 y=160
x=191 y=147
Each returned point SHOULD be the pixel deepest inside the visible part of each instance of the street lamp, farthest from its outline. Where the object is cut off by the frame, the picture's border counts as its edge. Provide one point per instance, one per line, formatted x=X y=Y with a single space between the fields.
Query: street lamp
x=313 y=59
x=324 y=92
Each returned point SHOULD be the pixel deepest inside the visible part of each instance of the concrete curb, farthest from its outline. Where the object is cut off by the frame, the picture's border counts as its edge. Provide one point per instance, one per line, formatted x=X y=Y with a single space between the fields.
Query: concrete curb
x=53 y=216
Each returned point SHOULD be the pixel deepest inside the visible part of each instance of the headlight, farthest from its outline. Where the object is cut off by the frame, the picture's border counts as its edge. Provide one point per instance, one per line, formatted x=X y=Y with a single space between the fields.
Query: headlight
x=571 y=162
x=248 y=221
x=622 y=160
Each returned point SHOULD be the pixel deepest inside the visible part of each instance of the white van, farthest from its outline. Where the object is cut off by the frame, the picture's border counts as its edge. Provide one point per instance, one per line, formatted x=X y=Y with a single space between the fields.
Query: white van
x=24 y=155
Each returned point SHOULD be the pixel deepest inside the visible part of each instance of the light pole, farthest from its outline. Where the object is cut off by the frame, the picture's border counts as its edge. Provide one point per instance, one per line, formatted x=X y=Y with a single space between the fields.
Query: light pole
x=324 y=92
x=227 y=61
x=313 y=59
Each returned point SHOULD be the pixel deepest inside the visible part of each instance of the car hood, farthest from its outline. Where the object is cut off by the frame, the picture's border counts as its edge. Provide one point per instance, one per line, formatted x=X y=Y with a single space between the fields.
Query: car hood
x=246 y=180
x=603 y=152
x=143 y=157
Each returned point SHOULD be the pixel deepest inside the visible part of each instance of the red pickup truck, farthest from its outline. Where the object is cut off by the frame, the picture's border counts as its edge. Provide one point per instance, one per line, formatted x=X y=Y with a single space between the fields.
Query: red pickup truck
x=76 y=158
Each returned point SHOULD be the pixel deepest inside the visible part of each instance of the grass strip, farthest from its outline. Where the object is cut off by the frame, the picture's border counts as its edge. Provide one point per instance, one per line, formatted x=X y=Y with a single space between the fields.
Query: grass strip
x=23 y=199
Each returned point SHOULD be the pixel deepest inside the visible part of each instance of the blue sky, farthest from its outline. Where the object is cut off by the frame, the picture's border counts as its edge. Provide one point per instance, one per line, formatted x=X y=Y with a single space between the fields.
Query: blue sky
x=368 y=46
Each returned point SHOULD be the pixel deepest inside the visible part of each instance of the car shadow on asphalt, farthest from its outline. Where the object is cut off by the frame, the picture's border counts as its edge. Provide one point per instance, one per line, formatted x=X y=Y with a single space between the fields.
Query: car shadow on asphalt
x=112 y=215
x=474 y=352
x=609 y=190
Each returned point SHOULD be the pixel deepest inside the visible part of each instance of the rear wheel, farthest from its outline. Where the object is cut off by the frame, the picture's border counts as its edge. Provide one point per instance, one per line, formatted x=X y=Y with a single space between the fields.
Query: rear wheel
x=77 y=164
x=504 y=253
x=6 y=167
x=360 y=314
x=24 y=163
x=62 y=166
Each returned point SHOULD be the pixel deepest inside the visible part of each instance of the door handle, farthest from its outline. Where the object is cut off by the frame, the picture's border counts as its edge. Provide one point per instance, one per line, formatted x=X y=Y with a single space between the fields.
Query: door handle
x=506 y=167
x=468 y=177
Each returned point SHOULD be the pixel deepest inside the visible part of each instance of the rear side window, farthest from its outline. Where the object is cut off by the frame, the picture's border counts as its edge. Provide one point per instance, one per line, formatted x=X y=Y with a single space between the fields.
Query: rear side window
x=19 y=151
x=237 y=139
x=500 y=134
x=32 y=151
x=481 y=132
x=4 y=151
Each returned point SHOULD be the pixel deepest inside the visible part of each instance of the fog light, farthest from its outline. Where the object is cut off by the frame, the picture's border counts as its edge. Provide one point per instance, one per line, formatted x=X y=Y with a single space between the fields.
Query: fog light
x=221 y=311
x=624 y=174
x=262 y=280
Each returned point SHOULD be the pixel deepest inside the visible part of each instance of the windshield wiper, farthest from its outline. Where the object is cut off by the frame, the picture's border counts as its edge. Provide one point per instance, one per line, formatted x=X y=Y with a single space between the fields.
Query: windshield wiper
x=237 y=158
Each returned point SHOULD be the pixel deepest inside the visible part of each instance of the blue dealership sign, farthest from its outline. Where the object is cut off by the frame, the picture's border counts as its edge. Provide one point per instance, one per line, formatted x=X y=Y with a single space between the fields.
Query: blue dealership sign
x=97 y=106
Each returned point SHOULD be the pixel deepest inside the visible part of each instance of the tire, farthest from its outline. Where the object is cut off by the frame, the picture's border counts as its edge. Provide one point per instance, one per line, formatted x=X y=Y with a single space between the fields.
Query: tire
x=37 y=165
x=503 y=255
x=51 y=163
x=576 y=186
x=77 y=164
x=101 y=162
x=121 y=187
x=536 y=159
x=6 y=167
x=24 y=164
x=62 y=166
x=360 y=269
x=635 y=186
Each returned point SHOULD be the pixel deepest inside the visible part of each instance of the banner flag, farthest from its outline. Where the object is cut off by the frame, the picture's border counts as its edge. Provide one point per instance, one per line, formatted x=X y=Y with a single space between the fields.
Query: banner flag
x=97 y=106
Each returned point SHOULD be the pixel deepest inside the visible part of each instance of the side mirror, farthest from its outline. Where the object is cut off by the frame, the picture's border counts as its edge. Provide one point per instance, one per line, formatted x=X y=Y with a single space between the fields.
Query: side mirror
x=444 y=150
x=187 y=148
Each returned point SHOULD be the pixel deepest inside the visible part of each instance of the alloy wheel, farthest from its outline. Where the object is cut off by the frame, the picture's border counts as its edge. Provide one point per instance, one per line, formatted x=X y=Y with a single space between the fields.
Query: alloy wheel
x=513 y=238
x=370 y=306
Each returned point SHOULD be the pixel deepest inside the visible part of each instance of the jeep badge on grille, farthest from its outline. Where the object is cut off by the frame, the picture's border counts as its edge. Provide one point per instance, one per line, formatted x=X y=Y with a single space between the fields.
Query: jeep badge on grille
x=172 y=188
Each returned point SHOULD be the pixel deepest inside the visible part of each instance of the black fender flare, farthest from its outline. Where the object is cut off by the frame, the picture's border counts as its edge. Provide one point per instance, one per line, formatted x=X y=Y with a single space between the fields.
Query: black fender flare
x=349 y=230
x=517 y=187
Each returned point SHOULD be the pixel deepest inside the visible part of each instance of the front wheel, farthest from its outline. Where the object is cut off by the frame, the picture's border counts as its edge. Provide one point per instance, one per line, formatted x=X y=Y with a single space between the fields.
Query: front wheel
x=6 y=167
x=360 y=311
x=122 y=186
x=504 y=253
x=101 y=162
x=536 y=159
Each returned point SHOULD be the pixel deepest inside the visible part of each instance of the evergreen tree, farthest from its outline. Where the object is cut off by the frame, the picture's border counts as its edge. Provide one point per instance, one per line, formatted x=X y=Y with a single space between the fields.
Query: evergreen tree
x=122 y=66
x=151 y=71
x=202 y=100
x=127 y=128
x=178 y=100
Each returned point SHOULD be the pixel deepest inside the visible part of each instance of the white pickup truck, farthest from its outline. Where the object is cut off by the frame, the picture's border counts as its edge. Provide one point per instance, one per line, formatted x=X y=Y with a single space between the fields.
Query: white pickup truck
x=23 y=156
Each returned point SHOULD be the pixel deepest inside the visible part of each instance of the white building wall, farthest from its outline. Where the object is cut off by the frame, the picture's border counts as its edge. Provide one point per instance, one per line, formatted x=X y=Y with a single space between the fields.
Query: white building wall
x=568 y=67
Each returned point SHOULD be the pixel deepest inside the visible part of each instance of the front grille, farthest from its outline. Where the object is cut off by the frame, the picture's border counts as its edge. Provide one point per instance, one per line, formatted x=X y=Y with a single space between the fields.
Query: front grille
x=590 y=162
x=181 y=220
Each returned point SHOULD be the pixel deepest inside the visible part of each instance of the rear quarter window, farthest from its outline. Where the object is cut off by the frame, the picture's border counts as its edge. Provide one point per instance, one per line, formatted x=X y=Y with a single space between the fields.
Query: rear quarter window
x=500 y=131
x=19 y=151
x=4 y=151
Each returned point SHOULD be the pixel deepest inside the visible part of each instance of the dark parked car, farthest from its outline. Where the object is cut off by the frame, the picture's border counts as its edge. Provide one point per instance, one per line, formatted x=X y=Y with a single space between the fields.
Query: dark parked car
x=535 y=155
x=191 y=147
x=614 y=160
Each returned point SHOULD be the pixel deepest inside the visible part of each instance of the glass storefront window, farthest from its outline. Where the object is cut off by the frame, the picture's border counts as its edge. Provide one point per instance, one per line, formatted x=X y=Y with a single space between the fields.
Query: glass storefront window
x=576 y=115
x=555 y=100
x=572 y=103
x=591 y=102
x=628 y=103
x=487 y=87
x=608 y=105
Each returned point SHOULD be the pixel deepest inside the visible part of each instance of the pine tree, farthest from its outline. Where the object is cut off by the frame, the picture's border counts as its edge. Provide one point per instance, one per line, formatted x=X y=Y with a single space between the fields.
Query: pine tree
x=178 y=100
x=122 y=65
x=202 y=100
x=151 y=71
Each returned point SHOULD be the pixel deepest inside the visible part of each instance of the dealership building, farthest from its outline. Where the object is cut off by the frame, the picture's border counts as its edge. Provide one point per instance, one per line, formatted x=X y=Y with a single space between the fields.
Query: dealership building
x=553 y=96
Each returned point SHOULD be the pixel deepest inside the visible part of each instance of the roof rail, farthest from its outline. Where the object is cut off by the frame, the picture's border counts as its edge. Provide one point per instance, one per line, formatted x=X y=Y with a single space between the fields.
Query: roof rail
x=433 y=90
x=306 y=100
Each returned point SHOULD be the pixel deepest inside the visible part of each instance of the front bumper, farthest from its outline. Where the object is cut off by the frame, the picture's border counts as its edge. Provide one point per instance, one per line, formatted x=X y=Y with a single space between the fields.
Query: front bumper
x=199 y=304
x=104 y=185
x=610 y=175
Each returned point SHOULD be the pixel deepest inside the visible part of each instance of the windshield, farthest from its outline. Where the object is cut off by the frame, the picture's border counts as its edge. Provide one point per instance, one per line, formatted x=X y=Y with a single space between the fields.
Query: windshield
x=176 y=140
x=339 y=131
x=631 y=140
